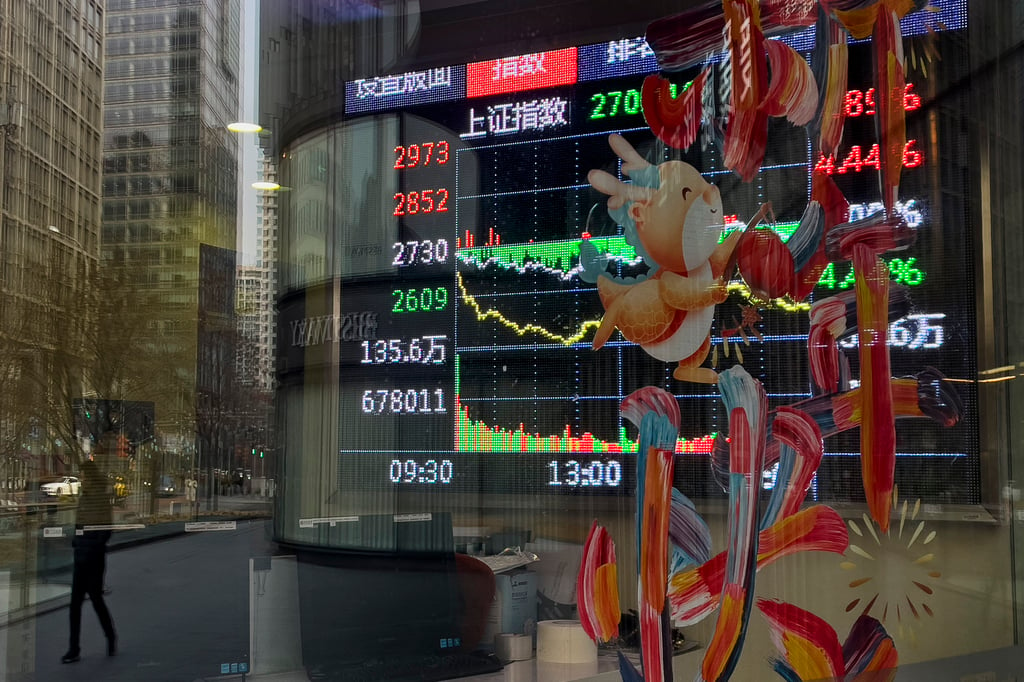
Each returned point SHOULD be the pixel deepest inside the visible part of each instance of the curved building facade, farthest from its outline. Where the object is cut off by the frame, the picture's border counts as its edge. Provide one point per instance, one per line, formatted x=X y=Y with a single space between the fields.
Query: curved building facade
x=502 y=239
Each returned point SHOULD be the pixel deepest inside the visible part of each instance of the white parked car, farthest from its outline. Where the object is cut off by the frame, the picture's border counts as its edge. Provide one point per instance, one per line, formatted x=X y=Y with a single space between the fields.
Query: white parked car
x=69 y=485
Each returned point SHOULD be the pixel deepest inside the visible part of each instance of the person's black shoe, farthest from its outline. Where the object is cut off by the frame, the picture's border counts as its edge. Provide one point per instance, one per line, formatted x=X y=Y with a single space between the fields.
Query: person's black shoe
x=70 y=657
x=112 y=646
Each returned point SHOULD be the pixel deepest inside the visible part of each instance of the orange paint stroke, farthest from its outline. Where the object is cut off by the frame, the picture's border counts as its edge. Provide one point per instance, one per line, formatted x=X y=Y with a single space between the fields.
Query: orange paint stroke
x=695 y=594
x=878 y=421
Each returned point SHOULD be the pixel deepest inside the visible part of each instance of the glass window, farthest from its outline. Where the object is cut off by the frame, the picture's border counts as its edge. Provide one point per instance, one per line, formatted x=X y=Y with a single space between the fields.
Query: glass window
x=616 y=325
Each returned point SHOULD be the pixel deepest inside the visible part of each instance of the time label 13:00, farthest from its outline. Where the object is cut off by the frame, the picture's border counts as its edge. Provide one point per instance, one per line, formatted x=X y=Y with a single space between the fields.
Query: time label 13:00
x=404 y=401
x=593 y=474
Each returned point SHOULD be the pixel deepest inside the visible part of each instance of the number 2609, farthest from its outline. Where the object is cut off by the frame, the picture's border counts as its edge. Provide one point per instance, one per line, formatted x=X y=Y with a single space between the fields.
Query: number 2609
x=419 y=300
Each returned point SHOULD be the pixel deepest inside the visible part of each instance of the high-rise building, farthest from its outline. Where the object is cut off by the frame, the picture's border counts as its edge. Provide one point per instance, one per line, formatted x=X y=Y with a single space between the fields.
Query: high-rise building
x=51 y=85
x=170 y=178
x=257 y=287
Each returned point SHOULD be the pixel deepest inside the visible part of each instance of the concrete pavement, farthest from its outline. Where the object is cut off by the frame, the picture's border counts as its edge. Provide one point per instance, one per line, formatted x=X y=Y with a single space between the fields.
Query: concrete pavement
x=180 y=606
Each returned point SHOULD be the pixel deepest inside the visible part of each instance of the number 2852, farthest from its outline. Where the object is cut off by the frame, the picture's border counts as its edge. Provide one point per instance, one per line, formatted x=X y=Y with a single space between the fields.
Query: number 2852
x=426 y=201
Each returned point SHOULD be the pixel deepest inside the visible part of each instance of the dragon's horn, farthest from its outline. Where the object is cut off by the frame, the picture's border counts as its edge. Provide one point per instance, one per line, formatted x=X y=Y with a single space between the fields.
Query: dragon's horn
x=631 y=160
x=619 y=191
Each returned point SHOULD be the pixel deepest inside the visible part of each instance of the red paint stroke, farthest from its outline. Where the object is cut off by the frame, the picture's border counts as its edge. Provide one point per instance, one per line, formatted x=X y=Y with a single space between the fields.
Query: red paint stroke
x=746 y=137
x=746 y=458
x=792 y=91
x=695 y=594
x=828 y=321
x=597 y=586
x=837 y=210
x=656 y=505
x=799 y=431
x=847 y=408
x=809 y=645
x=891 y=119
x=674 y=121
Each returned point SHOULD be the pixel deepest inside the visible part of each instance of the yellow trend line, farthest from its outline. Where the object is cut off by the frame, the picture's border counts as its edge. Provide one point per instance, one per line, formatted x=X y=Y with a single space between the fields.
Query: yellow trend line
x=784 y=303
x=523 y=330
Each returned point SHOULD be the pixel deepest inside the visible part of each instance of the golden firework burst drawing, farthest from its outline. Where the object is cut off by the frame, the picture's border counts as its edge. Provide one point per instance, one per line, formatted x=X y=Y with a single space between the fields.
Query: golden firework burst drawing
x=895 y=571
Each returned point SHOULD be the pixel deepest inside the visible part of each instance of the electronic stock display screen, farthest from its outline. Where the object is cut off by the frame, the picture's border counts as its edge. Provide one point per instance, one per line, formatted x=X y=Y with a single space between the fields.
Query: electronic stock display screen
x=465 y=334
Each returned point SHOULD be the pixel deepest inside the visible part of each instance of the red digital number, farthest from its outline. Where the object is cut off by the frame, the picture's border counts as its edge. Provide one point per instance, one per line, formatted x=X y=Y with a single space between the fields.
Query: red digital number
x=855 y=162
x=421 y=155
x=852 y=161
x=911 y=100
x=874 y=158
x=911 y=157
x=862 y=103
x=425 y=201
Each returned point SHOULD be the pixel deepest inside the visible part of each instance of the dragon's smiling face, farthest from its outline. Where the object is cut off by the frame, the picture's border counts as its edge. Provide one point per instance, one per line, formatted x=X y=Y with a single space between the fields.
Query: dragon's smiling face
x=681 y=223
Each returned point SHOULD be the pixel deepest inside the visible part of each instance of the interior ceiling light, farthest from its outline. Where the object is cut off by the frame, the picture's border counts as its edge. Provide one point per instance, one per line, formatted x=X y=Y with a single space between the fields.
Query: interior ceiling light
x=243 y=127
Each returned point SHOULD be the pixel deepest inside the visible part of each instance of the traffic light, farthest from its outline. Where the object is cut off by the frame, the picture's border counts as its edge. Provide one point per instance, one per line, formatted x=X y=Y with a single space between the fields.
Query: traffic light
x=261 y=454
x=123 y=446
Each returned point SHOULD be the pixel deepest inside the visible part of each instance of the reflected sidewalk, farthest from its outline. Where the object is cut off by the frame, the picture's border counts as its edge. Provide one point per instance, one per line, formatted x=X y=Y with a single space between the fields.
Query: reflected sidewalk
x=51 y=588
x=181 y=609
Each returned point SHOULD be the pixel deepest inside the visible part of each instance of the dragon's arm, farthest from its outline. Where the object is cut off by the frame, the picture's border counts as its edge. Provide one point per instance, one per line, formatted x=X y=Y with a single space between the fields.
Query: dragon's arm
x=690 y=293
x=723 y=253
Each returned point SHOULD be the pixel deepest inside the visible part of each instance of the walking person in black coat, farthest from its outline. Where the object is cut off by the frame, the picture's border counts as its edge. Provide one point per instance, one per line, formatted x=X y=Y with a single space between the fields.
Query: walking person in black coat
x=90 y=549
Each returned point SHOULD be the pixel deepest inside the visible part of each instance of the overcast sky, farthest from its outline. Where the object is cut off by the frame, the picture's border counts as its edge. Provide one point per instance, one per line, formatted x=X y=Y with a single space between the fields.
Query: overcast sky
x=247 y=167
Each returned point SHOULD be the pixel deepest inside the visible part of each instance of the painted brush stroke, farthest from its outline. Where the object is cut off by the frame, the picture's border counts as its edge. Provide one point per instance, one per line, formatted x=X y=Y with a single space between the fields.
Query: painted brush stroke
x=597 y=589
x=695 y=593
x=746 y=137
x=800 y=451
x=688 y=534
x=674 y=121
x=653 y=554
x=745 y=399
x=809 y=647
x=891 y=118
x=792 y=91
x=878 y=421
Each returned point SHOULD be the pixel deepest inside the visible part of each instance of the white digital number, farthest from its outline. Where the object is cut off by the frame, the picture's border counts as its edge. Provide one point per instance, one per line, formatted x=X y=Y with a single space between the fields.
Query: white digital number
x=912 y=332
x=404 y=401
x=908 y=209
x=425 y=252
x=425 y=350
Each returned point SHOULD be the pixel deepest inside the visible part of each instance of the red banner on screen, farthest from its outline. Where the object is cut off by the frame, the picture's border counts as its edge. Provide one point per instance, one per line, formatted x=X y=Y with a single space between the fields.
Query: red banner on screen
x=525 y=72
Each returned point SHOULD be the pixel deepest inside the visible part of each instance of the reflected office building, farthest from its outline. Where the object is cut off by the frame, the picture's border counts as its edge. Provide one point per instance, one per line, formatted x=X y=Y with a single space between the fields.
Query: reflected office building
x=51 y=95
x=169 y=182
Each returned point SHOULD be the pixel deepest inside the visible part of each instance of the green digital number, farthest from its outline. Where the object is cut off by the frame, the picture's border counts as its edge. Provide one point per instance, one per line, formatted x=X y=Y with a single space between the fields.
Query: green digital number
x=615 y=103
x=419 y=300
x=900 y=271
